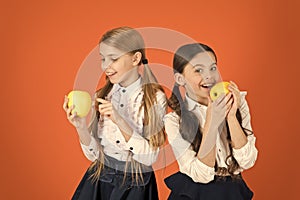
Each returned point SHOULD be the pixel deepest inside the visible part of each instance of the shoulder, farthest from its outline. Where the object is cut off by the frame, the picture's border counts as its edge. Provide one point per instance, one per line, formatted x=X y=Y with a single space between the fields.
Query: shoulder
x=171 y=118
x=161 y=96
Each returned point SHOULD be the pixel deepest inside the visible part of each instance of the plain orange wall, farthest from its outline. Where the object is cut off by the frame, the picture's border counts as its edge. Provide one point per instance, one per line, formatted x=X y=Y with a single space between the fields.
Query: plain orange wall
x=43 y=44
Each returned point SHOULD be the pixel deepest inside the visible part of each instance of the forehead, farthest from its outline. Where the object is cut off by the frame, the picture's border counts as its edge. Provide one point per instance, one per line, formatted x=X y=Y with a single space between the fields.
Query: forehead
x=106 y=50
x=204 y=58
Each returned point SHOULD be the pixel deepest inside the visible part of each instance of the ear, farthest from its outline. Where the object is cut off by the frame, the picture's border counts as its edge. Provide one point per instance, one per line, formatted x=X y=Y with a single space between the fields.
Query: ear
x=136 y=58
x=179 y=78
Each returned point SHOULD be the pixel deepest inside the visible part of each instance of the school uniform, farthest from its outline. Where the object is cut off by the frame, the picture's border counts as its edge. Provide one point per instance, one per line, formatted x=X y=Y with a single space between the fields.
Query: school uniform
x=196 y=180
x=115 y=183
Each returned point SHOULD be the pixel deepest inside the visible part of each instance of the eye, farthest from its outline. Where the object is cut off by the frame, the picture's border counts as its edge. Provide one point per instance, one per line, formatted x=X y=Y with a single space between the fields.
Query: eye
x=114 y=59
x=213 y=68
x=198 y=70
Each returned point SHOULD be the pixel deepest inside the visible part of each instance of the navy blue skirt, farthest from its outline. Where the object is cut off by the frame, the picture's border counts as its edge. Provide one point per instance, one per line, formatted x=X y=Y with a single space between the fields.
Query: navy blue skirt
x=221 y=188
x=111 y=186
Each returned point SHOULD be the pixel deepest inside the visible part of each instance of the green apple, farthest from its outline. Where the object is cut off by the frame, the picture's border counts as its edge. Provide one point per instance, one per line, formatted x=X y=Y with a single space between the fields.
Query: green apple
x=218 y=89
x=82 y=101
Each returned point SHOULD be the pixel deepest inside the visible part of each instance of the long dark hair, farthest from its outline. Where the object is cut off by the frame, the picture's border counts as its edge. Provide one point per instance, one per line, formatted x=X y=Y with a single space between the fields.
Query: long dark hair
x=189 y=124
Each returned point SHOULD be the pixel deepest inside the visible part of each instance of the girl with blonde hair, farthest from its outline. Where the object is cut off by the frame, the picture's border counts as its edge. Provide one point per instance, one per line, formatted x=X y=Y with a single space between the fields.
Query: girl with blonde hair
x=126 y=132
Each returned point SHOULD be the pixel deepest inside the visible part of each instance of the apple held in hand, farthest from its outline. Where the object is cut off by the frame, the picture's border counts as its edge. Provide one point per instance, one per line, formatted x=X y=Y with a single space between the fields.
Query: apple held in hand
x=82 y=101
x=218 y=89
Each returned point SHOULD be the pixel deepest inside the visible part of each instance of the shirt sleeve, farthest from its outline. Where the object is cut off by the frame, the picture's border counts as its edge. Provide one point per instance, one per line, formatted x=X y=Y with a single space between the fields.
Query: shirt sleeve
x=186 y=157
x=91 y=151
x=247 y=155
x=140 y=146
x=141 y=149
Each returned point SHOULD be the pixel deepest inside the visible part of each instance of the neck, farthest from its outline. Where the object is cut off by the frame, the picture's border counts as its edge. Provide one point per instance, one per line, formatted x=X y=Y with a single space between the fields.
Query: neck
x=133 y=77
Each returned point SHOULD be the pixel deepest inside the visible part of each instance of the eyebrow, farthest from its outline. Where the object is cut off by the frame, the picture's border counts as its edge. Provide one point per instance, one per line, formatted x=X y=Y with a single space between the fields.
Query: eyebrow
x=200 y=65
x=111 y=54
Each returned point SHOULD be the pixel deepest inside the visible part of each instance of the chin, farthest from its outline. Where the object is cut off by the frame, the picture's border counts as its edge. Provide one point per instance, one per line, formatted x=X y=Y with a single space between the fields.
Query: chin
x=113 y=80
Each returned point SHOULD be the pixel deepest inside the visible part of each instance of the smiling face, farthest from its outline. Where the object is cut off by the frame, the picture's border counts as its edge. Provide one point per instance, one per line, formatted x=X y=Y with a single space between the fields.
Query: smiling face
x=198 y=76
x=120 y=67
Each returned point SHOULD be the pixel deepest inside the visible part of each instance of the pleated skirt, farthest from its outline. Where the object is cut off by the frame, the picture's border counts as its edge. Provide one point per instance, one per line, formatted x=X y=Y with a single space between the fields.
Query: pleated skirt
x=221 y=188
x=111 y=185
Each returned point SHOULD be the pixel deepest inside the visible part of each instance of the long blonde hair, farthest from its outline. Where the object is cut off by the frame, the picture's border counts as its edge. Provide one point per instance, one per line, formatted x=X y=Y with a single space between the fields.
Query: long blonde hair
x=129 y=40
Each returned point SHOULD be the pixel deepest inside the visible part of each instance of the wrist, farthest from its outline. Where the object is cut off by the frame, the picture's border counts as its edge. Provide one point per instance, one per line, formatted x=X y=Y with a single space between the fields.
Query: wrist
x=210 y=127
x=82 y=129
x=231 y=118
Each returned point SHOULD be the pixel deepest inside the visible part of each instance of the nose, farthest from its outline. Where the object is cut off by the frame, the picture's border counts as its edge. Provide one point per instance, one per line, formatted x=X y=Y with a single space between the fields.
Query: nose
x=207 y=75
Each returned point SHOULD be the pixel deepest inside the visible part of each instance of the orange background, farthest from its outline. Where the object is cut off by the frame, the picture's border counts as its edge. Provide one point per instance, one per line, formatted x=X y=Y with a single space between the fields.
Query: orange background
x=43 y=44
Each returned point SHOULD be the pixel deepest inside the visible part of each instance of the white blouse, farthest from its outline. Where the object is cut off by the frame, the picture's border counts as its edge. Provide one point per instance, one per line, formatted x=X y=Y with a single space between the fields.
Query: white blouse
x=127 y=102
x=186 y=157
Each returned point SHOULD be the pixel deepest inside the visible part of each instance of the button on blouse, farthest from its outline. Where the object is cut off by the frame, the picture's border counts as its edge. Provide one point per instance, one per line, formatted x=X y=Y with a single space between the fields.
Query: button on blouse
x=187 y=157
x=127 y=102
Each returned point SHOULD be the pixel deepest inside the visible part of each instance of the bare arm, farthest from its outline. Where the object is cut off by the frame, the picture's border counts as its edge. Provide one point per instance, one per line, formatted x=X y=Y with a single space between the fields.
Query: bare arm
x=215 y=116
x=78 y=122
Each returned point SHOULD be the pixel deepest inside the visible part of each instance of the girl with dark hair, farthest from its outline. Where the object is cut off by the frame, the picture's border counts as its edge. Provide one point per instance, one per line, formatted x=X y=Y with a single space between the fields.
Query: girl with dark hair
x=212 y=140
x=126 y=132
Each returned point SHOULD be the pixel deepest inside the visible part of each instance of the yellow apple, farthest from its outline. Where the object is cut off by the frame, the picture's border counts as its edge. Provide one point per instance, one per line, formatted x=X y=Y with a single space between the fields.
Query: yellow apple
x=218 y=89
x=82 y=101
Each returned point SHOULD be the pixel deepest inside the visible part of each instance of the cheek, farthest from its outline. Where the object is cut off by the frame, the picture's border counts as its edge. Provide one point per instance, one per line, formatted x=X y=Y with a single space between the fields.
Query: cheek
x=118 y=66
x=217 y=76
x=194 y=82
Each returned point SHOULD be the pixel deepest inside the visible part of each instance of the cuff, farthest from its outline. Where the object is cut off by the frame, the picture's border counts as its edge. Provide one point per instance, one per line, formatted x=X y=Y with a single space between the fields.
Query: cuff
x=200 y=172
x=137 y=144
x=142 y=152
x=240 y=153
x=92 y=147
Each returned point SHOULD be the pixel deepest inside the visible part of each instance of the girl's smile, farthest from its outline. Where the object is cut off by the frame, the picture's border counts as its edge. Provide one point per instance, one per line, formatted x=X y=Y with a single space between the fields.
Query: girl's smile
x=200 y=75
x=119 y=66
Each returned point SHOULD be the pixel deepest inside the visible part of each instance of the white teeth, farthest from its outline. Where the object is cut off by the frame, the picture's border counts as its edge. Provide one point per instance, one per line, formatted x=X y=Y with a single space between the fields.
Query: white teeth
x=109 y=73
x=207 y=85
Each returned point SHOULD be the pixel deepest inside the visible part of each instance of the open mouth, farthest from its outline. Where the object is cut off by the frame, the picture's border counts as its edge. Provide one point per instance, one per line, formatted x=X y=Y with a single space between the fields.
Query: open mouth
x=110 y=74
x=207 y=85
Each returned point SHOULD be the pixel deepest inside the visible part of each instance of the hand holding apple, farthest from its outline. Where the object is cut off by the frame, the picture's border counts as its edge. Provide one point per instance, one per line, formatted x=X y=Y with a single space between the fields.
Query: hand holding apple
x=218 y=89
x=82 y=102
x=233 y=88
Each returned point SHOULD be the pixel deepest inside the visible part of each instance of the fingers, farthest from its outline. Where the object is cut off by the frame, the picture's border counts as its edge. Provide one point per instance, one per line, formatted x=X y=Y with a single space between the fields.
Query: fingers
x=236 y=93
x=233 y=87
x=229 y=105
x=223 y=99
x=105 y=108
x=104 y=111
x=72 y=116
x=102 y=101
x=233 y=84
x=65 y=104
x=209 y=101
x=219 y=99
x=101 y=107
x=70 y=112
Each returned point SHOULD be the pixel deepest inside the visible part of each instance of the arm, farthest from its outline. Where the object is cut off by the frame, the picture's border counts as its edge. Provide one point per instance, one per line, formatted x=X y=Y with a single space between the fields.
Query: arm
x=210 y=158
x=244 y=149
x=246 y=155
x=88 y=143
x=237 y=134
x=131 y=128
x=187 y=159
x=106 y=109
x=214 y=122
x=140 y=147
